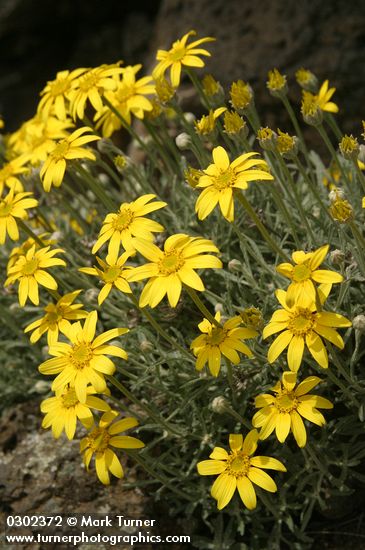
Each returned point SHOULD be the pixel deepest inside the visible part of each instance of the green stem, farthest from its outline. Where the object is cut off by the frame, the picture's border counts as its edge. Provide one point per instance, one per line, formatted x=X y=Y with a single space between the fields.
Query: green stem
x=297 y=129
x=298 y=201
x=360 y=175
x=312 y=187
x=159 y=329
x=230 y=381
x=360 y=242
x=331 y=149
x=246 y=205
x=158 y=419
x=329 y=118
x=199 y=304
x=287 y=217
x=160 y=478
x=96 y=188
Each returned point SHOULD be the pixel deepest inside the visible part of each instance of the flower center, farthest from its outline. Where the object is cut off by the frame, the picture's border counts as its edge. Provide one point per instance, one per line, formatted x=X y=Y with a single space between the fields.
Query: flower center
x=88 y=81
x=224 y=179
x=123 y=219
x=125 y=92
x=54 y=314
x=301 y=272
x=30 y=267
x=59 y=87
x=81 y=355
x=286 y=402
x=98 y=440
x=177 y=52
x=301 y=321
x=5 y=209
x=69 y=398
x=60 y=150
x=111 y=274
x=170 y=263
x=238 y=464
x=217 y=336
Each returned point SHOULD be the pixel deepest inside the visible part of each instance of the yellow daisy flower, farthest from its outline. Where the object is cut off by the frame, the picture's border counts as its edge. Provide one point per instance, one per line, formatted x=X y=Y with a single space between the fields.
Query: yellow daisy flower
x=222 y=177
x=13 y=206
x=35 y=138
x=221 y=340
x=53 y=170
x=84 y=360
x=128 y=99
x=10 y=171
x=239 y=470
x=112 y=272
x=22 y=250
x=169 y=269
x=100 y=441
x=179 y=55
x=57 y=318
x=63 y=410
x=30 y=271
x=55 y=93
x=283 y=411
x=304 y=326
x=323 y=98
x=305 y=273
x=206 y=125
x=90 y=86
x=120 y=227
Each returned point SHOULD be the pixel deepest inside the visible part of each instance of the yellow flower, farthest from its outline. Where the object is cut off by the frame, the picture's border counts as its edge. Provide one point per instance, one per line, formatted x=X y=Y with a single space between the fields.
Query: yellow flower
x=9 y=172
x=349 y=147
x=323 y=98
x=57 y=318
x=53 y=170
x=30 y=271
x=306 y=79
x=276 y=83
x=164 y=91
x=119 y=228
x=112 y=272
x=221 y=340
x=287 y=145
x=283 y=411
x=91 y=85
x=35 y=138
x=267 y=138
x=310 y=109
x=210 y=86
x=305 y=273
x=83 y=361
x=55 y=93
x=239 y=470
x=241 y=95
x=128 y=99
x=363 y=202
x=169 y=269
x=304 y=326
x=21 y=250
x=179 y=55
x=233 y=123
x=13 y=206
x=206 y=124
x=63 y=410
x=103 y=437
x=340 y=208
x=222 y=177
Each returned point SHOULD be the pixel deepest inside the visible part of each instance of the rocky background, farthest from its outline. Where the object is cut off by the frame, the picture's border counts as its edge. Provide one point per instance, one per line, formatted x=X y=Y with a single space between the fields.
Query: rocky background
x=39 y=37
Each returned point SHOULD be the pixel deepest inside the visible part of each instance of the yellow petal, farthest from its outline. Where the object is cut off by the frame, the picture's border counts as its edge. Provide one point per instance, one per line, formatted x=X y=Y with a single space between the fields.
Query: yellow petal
x=262 y=479
x=246 y=492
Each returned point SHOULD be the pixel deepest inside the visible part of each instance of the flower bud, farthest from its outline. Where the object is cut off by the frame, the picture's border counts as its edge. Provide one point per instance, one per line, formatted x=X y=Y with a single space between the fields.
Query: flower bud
x=183 y=141
x=219 y=404
x=252 y=318
x=349 y=147
x=241 y=96
x=307 y=80
x=234 y=265
x=146 y=346
x=287 y=145
x=337 y=257
x=277 y=84
x=234 y=125
x=359 y=323
x=340 y=209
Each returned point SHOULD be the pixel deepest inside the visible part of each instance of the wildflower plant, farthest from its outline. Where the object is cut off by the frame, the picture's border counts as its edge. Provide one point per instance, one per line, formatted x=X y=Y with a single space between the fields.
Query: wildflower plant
x=219 y=219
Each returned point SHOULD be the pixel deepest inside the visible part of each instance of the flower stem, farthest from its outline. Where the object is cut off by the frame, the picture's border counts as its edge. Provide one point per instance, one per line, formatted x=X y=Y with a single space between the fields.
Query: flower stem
x=199 y=304
x=96 y=188
x=331 y=149
x=159 y=329
x=246 y=205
